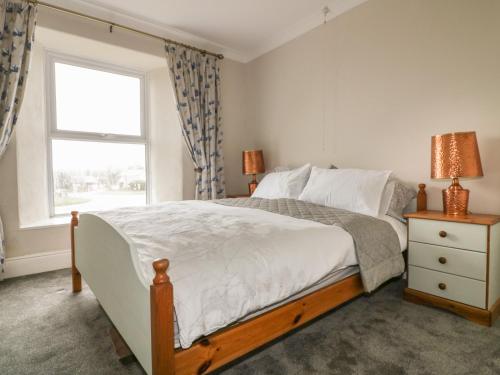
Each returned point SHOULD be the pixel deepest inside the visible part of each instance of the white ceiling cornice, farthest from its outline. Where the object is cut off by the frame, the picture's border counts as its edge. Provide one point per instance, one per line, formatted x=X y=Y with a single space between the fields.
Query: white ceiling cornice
x=93 y=8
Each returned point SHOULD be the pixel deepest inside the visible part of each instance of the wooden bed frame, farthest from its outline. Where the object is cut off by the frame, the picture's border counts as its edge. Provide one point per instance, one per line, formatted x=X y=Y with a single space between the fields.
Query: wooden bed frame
x=158 y=355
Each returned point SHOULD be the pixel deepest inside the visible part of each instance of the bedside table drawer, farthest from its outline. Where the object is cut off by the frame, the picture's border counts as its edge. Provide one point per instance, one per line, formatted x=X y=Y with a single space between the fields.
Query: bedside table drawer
x=446 y=259
x=456 y=288
x=451 y=234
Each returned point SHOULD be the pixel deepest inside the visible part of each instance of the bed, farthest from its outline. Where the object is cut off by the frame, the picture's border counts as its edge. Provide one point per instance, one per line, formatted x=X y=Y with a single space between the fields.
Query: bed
x=234 y=293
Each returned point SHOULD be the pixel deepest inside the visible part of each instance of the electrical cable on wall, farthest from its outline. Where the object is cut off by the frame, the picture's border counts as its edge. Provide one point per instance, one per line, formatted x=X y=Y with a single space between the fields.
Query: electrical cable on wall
x=325 y=11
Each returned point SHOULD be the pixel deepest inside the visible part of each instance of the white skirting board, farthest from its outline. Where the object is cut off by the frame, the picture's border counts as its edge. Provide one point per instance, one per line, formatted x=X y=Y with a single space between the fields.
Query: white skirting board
x=37 y=263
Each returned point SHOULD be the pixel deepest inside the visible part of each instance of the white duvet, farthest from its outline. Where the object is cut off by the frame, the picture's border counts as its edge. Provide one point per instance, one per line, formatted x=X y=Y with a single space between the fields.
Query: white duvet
x=227 y=262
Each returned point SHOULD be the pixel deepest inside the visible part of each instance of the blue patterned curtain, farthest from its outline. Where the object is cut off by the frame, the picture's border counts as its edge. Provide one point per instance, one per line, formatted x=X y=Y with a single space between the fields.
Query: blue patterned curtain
x=2 y=250
x=196 y=80
x=17 y=22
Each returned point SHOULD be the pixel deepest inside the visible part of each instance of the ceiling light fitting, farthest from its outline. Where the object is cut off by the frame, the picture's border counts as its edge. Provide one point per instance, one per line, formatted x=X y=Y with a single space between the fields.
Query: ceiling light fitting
x=325 y=11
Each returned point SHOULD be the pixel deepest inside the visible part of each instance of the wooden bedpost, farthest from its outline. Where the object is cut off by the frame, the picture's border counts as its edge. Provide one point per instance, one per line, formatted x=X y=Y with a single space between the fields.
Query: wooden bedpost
x=75 y=274
x=421 y=198
x=162 y=320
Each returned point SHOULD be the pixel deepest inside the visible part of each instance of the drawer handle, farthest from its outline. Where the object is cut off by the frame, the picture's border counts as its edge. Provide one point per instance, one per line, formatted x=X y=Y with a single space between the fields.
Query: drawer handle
x=443 y=234
x=442 y=260
x=442 y=286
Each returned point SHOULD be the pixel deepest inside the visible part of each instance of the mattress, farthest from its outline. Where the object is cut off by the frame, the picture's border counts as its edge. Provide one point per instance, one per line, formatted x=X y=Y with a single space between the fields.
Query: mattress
x=400 y=228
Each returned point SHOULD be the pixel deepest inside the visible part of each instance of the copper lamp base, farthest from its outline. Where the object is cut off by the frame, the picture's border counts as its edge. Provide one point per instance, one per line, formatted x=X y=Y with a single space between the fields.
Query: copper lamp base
x=455 y=199
x=252 y=185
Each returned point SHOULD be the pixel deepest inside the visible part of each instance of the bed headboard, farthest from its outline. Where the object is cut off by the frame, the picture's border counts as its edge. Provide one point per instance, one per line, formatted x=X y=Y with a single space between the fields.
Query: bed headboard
x=420 y=202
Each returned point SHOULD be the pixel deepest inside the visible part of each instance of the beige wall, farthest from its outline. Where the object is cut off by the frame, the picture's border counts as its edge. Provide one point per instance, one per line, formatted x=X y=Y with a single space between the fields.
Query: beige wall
x=239 y=133
x=172 y=171
x=371 y=87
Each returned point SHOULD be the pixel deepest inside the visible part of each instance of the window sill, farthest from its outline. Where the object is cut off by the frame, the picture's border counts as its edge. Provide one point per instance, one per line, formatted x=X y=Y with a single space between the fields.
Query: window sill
x=57 y=221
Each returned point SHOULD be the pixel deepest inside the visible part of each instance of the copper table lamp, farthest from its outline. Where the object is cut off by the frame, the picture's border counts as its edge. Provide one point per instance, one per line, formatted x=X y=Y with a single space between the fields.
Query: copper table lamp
x=455 y=155
x=253 y=164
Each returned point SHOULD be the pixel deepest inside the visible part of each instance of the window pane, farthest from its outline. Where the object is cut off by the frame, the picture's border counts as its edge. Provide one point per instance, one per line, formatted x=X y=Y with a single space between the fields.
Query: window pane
x=95 y=101
x=94 y=176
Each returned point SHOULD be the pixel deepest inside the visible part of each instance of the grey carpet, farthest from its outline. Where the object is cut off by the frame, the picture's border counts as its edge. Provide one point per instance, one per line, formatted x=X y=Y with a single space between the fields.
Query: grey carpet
x=45 y=329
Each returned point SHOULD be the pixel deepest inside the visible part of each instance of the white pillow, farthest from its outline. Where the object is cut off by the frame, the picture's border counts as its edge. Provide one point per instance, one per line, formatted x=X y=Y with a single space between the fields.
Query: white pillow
x=356 y=190
x=288 y=184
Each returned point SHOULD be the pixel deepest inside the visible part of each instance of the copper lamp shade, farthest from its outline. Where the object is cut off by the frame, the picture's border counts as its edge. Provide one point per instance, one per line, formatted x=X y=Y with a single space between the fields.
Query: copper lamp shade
x=455 y=155
x=253 y=164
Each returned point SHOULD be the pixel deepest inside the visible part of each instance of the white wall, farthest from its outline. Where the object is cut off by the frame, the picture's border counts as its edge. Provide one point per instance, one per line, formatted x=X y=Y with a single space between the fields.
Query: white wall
x=23 y=241
x=31 y=151
x=167 y=149
x=371 y=87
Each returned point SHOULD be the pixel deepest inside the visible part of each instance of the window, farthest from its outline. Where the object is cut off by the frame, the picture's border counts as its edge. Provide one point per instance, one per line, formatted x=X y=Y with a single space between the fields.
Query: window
x=97 y=144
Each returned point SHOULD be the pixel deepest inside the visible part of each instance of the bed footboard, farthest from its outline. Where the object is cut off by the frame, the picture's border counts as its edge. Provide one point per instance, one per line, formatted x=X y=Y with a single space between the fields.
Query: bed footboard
x=142 y=313
x=162 y=328
x=76 y=278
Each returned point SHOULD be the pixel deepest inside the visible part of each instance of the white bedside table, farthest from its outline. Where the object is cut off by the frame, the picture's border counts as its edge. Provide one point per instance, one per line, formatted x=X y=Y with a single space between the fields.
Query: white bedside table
x=454 y=263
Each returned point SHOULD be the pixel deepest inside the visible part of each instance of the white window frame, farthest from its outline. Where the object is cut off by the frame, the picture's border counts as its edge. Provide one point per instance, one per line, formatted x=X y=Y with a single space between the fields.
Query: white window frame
x=53 y=133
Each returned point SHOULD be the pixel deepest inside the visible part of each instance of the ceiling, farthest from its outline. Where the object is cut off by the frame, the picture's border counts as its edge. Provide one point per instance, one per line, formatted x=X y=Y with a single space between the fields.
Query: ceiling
x=241 y=29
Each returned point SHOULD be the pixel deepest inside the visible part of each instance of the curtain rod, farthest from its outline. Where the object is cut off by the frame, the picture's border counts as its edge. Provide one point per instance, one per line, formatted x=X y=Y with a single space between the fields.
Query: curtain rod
x=120 y=26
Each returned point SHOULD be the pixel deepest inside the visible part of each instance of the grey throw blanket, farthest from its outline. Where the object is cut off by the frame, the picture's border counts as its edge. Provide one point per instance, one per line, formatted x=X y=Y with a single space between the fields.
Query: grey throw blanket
x=376 y=243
